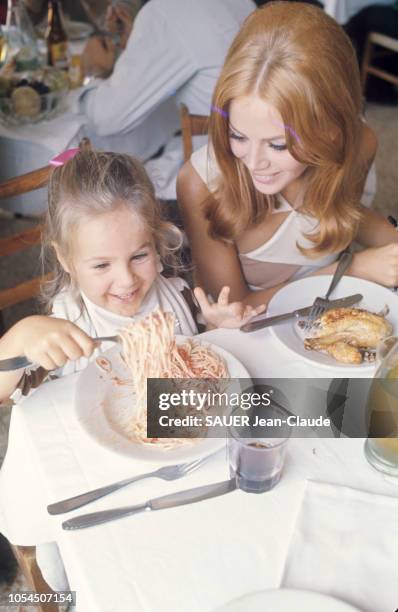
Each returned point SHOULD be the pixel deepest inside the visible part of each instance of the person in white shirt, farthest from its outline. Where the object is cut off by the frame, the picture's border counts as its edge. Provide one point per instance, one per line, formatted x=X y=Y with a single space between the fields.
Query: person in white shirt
x=174 y=55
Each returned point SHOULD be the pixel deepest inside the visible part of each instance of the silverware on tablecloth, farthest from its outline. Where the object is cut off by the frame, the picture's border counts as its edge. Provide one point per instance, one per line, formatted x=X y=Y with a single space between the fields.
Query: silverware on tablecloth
x=301 y=312
x=167 y=472
x=188 y=496
x=16 y=363
x=321 y=304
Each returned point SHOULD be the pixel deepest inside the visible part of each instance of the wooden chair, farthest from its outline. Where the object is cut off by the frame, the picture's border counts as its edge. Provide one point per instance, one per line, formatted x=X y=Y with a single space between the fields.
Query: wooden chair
x=26 y=555
x=18 y=242
x=389 y=45
x=191 y=125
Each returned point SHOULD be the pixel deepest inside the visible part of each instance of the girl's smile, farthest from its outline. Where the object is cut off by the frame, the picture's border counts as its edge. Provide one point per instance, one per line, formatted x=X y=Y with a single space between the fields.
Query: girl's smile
x=114 y=260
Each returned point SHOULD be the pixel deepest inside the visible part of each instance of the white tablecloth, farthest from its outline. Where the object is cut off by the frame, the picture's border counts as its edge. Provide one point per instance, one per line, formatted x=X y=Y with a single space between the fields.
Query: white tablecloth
x=28 y=147
x=342 y=10
x=192 y=558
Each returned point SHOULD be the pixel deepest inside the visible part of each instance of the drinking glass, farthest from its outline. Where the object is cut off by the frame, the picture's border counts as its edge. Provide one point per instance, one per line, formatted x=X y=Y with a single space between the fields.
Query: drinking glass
x=257 y=450
x=381 y=447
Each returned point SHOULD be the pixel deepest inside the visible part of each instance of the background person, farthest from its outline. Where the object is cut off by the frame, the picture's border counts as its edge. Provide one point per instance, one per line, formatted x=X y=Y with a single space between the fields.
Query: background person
x=173 y=55
x=92 y=11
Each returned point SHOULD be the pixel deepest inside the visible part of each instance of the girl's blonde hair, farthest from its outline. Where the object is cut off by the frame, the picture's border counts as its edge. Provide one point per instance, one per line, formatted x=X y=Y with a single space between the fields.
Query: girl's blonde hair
x=297 y=58
x=94 y=183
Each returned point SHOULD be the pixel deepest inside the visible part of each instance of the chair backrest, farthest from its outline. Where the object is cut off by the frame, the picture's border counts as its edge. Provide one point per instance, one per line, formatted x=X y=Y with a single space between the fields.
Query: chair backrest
x=9 y=245
x=375 y=39
x=191 y=125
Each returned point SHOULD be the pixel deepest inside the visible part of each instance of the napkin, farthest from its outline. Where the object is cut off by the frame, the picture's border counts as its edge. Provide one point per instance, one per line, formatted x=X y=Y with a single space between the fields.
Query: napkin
x=344 y=546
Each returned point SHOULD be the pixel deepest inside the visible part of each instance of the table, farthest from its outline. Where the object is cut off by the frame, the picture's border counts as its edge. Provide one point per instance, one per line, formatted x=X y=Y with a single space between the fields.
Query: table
x=342 y=10
x=28 y=147
x=189 y=558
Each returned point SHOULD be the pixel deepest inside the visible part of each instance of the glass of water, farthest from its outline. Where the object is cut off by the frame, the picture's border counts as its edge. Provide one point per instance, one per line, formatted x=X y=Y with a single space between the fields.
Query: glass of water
x=381 y=447
x=257 y=448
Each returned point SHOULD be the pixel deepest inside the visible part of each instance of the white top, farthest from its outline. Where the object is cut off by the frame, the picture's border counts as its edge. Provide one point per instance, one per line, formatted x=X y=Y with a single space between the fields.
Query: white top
x=174 y=55
x=279 y=259
x=165 y=293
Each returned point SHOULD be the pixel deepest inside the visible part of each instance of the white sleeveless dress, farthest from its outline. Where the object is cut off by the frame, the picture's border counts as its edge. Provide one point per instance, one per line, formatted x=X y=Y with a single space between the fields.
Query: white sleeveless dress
x=278 y=259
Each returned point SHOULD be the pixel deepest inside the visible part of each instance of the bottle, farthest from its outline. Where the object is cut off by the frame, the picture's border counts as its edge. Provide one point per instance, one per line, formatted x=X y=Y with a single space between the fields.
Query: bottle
x=3 y=48
x=57 y=40
x=14 y=37
x=22 y=41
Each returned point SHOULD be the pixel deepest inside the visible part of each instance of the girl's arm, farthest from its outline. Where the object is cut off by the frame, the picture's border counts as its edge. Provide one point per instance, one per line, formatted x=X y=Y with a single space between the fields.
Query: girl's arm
x=46 y=341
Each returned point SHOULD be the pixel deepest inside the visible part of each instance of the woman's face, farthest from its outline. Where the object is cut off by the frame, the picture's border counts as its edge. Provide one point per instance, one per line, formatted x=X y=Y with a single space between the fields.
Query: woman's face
x=257 y=138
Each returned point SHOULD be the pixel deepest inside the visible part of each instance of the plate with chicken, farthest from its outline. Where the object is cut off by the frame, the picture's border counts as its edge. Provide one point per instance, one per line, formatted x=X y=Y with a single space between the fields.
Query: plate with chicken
x=343 y=338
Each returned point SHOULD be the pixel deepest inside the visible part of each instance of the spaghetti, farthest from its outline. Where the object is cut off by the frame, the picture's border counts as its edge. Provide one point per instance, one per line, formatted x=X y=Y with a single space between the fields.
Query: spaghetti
x=150 y=350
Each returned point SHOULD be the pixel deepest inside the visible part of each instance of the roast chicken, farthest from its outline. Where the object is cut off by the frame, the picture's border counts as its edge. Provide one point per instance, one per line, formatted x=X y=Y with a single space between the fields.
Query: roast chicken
x=347 y=334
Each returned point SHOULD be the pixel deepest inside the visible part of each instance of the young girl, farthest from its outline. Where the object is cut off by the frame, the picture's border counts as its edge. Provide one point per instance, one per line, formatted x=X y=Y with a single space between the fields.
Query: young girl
x=105 y=241
x=277 y=194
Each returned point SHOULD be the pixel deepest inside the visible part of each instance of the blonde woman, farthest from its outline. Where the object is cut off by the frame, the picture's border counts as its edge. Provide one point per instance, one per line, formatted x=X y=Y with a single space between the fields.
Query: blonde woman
x=276 y=196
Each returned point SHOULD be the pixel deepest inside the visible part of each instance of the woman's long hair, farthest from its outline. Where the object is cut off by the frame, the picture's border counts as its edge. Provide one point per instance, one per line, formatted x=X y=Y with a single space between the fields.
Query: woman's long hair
x=298 y=59
x=91 y=184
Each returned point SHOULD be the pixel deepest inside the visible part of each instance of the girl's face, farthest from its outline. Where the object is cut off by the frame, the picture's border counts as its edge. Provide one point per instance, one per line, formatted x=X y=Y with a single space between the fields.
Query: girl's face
x=257 y=138
x=114 y=260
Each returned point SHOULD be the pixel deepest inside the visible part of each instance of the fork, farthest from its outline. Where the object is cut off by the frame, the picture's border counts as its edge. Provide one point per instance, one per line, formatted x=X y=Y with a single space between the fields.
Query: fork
x=168 y=472
x=320 y=304
x=16 y=363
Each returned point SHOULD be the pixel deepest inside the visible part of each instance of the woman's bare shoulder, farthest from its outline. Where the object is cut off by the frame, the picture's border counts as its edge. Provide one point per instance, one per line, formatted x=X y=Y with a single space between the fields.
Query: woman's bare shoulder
x=190 y=187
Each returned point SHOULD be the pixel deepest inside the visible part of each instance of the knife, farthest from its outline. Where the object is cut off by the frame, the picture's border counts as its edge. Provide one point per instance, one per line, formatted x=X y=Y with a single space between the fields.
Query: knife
x=189 y=496
x=301 y=312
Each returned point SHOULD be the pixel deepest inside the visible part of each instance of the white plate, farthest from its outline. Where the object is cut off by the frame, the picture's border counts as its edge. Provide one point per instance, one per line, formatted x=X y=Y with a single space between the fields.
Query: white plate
x=105 y=410
x=302 y=293
x=286 y=600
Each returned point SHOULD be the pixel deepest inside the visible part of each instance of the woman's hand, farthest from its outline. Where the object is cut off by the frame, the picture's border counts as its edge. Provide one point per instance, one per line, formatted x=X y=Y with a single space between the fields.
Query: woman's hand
x=223 y=313
x=50 y=342
x=379 y=265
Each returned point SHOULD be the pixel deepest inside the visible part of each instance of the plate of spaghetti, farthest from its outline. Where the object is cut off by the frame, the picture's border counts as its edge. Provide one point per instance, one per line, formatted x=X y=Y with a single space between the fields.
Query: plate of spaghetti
x=111 y=392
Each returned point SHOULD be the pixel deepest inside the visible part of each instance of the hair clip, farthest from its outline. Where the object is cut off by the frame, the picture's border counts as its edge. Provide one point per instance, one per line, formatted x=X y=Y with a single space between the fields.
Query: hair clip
x=64 y=157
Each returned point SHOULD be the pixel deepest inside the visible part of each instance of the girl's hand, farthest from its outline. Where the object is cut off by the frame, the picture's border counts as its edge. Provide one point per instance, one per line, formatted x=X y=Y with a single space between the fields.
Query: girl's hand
x=224 y=314
x=51 y=342
x=379 y=265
